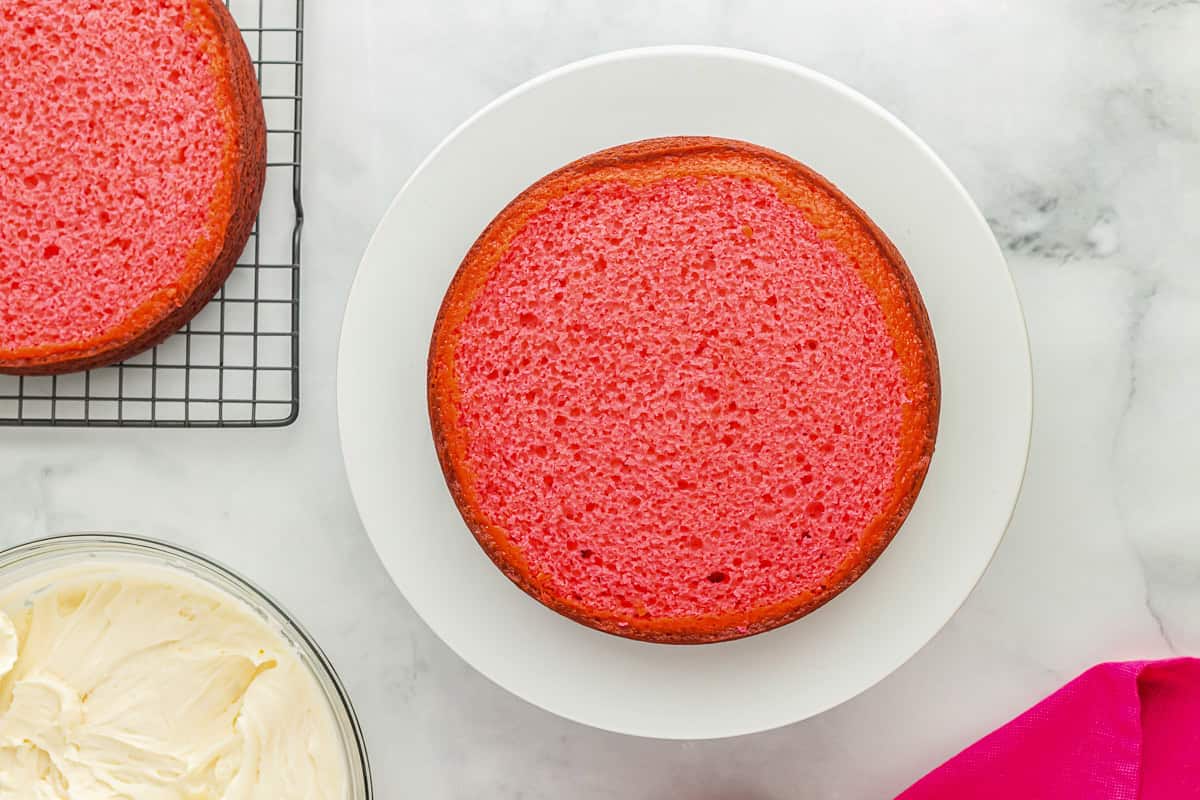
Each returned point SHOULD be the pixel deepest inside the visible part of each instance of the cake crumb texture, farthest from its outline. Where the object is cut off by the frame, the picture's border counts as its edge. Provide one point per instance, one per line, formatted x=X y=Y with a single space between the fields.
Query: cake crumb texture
x=121 y=131
x=681 y=399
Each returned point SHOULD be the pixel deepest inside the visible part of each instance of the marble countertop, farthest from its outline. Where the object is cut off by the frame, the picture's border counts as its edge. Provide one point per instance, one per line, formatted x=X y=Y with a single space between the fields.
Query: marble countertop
x=1075 y=124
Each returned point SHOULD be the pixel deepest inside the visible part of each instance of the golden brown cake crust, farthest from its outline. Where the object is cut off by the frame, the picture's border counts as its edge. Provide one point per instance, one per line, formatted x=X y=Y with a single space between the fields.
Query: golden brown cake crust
x=235 y=207
x=840 y=221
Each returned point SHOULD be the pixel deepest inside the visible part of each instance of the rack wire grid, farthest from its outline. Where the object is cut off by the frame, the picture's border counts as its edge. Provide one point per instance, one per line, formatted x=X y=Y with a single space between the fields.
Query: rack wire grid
x=237 y=364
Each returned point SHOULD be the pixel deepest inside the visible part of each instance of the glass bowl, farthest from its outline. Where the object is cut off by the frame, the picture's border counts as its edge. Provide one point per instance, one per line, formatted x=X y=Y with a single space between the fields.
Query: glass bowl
x=30 y=559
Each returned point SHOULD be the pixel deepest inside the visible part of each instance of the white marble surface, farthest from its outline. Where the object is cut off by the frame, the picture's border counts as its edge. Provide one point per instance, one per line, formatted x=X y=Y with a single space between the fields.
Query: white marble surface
x=1076 y=126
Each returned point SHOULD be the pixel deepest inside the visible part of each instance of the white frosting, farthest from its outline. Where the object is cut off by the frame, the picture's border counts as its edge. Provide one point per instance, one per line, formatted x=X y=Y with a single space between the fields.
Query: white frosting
x=143 y=683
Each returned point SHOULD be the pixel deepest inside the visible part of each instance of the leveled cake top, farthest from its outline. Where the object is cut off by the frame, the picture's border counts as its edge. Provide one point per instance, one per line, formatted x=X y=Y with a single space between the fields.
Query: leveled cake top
x=678 y=399
x=114 y=187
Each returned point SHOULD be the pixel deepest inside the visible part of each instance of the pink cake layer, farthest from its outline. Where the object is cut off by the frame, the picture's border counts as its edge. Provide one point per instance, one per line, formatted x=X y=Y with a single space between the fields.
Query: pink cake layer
x=110 y=127
x=681 y=399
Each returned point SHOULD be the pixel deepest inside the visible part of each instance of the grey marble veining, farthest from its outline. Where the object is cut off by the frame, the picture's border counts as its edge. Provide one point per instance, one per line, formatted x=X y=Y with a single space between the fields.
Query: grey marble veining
x=1076 y=126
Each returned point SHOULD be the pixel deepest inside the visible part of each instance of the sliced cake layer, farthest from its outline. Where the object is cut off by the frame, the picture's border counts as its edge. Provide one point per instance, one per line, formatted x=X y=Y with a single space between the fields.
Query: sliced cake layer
x=132 y=168
x=683 y=390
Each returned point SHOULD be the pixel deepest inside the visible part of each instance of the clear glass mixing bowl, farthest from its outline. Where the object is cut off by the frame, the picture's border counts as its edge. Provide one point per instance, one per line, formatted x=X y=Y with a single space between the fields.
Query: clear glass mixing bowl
x=28 y=560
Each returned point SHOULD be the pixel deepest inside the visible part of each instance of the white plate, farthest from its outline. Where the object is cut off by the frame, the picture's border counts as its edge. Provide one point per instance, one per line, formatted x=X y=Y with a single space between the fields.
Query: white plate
x=764 y=681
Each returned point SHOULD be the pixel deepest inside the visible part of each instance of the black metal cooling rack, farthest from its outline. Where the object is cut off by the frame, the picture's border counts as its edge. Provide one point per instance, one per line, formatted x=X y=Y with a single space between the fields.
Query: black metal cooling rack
x=237 y=364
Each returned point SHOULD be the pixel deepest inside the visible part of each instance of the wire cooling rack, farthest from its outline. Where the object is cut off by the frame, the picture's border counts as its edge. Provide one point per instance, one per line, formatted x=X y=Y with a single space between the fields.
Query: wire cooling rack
x=237 y=364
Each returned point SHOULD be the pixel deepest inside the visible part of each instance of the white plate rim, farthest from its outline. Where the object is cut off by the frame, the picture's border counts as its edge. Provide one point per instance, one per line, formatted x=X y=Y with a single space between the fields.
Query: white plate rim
x=1011 y=492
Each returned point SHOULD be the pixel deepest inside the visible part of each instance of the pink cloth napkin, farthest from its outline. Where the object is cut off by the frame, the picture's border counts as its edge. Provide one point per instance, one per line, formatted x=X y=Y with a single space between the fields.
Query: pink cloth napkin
x=1126 y=731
